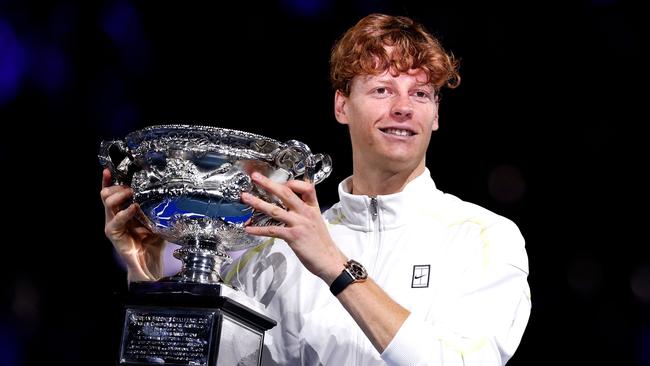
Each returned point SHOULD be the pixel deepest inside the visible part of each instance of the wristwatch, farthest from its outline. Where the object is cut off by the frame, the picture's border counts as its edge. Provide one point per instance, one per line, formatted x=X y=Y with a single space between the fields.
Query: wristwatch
x=353 y=272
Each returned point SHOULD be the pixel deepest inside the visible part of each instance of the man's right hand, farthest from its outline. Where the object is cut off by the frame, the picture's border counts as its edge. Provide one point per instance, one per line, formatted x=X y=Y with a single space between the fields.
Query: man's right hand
x=140 y=249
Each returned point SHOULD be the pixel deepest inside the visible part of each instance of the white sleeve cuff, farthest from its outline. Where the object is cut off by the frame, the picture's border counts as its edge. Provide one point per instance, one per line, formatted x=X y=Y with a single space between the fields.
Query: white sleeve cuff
x=410 y=344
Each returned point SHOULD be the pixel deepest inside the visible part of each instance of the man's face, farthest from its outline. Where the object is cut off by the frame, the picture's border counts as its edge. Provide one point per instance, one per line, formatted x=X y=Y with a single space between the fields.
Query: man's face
x=390 y=118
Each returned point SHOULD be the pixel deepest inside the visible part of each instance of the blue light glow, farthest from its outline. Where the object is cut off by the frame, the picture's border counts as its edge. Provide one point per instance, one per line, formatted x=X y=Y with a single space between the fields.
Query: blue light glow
x=12 y=63
x=165 y=210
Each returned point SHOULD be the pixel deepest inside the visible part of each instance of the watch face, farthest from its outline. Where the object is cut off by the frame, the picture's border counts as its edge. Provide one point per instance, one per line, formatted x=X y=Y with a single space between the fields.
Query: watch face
x=357 y=270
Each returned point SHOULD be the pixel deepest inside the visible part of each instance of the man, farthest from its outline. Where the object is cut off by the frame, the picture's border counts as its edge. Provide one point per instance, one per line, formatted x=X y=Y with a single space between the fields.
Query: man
x=397 y=272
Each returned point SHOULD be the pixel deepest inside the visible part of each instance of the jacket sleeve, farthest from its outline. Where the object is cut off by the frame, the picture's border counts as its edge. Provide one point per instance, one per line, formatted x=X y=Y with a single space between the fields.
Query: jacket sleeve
x=486 y=315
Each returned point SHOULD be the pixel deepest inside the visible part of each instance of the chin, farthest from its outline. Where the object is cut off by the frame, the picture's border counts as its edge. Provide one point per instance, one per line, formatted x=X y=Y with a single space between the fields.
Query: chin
x=399 y=162
x=400 y=156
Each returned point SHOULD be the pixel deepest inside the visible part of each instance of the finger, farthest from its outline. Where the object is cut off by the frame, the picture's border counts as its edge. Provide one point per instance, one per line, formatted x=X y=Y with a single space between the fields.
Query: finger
x=275 y=212
x=284 y=193
x=306 y=190
x=106 y=178
x=114 y=202
x=109 y=191
x=273 y=231
x=118 y=197
x=119 y=222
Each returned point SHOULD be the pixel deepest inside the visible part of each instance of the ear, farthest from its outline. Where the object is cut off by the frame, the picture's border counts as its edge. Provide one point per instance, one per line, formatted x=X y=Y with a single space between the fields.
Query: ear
x=340 y=105
x=436 y=113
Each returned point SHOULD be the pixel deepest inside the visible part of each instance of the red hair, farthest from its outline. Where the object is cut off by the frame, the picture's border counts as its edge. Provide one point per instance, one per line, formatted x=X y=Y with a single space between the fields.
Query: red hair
x=363 y=51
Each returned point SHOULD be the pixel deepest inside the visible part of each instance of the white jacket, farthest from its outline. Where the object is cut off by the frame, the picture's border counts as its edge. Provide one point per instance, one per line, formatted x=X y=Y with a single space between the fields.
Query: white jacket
x=458 y=268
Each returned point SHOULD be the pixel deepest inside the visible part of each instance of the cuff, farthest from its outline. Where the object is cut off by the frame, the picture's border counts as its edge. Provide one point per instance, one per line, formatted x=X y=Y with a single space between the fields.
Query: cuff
x=409 y=344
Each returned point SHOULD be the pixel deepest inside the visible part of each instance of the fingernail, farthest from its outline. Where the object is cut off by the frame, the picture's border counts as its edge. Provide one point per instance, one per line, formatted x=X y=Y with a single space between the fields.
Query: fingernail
x=256 y=175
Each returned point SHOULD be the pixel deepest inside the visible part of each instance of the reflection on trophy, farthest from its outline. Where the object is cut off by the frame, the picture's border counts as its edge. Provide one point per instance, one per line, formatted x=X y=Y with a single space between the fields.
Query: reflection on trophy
x=188 y=181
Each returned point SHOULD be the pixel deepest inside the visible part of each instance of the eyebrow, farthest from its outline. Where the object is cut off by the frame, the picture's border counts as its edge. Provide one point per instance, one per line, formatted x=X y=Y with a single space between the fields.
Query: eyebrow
x=367 y=78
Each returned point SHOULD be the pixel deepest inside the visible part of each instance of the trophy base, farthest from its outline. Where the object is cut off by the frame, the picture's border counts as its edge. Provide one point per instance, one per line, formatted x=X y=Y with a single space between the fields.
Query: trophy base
x=176 y=323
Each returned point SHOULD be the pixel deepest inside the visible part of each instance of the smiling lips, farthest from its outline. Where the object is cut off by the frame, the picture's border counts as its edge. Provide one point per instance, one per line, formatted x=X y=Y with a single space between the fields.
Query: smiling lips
x=397 y=132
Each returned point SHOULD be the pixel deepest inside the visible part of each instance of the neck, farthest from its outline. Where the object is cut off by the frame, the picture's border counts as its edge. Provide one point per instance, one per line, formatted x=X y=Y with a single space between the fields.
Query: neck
x=373 y=182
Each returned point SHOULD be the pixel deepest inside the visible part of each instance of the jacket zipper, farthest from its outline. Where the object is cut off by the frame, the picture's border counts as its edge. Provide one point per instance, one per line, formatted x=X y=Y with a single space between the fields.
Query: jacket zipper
x=374 y=213
x=373 y=208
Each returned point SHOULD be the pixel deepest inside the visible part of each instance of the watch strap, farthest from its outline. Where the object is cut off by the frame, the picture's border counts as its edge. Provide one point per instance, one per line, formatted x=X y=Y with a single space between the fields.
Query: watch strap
x=341 y=282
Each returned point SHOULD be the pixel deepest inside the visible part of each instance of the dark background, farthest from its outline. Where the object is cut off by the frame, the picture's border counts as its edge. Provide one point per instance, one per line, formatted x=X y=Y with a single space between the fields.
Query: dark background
x=546 y=129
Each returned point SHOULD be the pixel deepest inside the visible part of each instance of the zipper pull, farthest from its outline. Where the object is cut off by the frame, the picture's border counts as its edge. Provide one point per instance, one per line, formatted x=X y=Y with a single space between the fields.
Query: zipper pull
x=373 y=207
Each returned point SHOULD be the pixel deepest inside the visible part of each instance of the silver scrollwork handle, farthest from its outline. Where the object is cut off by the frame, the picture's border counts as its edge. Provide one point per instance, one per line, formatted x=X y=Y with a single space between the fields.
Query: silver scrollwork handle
x=317 y=175
x=298 y=159
x=115 y=156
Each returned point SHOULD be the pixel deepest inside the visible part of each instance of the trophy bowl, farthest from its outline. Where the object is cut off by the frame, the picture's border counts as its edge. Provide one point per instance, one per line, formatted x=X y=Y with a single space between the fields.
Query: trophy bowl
x=188 y=182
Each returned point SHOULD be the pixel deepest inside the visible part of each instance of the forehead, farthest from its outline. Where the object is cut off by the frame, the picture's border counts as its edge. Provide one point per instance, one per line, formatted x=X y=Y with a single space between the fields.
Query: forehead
x=415 y=76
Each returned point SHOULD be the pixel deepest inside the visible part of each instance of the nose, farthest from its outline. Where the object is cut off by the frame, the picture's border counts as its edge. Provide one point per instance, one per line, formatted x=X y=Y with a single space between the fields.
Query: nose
x=402 y=108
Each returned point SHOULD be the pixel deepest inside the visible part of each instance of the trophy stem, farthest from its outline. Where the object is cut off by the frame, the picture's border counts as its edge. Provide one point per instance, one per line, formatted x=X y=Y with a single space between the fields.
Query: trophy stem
x=201 y=263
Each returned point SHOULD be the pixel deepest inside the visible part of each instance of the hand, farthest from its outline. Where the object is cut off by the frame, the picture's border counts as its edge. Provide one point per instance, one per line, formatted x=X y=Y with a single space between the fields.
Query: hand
x=140 y=249
x=379 y=316
x=305 y=230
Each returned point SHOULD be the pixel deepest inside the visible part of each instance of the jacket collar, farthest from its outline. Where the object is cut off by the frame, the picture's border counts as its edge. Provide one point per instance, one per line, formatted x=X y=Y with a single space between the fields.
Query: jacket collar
x=393 y=210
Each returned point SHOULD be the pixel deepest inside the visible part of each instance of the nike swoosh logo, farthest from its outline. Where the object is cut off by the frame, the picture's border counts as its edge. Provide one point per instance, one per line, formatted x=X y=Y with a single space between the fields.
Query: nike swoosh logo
x=418 y=277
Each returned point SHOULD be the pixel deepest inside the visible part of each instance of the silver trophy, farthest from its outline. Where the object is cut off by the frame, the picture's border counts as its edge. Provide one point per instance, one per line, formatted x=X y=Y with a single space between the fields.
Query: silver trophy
x=188 y=182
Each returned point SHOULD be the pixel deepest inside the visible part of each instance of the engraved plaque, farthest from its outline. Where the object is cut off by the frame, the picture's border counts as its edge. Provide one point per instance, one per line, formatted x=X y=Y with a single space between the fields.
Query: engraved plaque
x=167 y=336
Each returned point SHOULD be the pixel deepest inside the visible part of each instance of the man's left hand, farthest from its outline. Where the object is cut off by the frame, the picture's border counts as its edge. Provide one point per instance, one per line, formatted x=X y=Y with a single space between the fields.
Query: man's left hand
x=305 y=230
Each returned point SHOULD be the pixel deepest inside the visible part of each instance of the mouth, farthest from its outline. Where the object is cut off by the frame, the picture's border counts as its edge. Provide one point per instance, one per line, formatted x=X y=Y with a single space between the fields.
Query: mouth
x=397 y=132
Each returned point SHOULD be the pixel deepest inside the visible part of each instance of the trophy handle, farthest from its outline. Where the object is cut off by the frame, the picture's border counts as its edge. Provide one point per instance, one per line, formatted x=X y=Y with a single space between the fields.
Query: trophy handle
x=317 y=175
x=298 y=159
x=115 y=156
